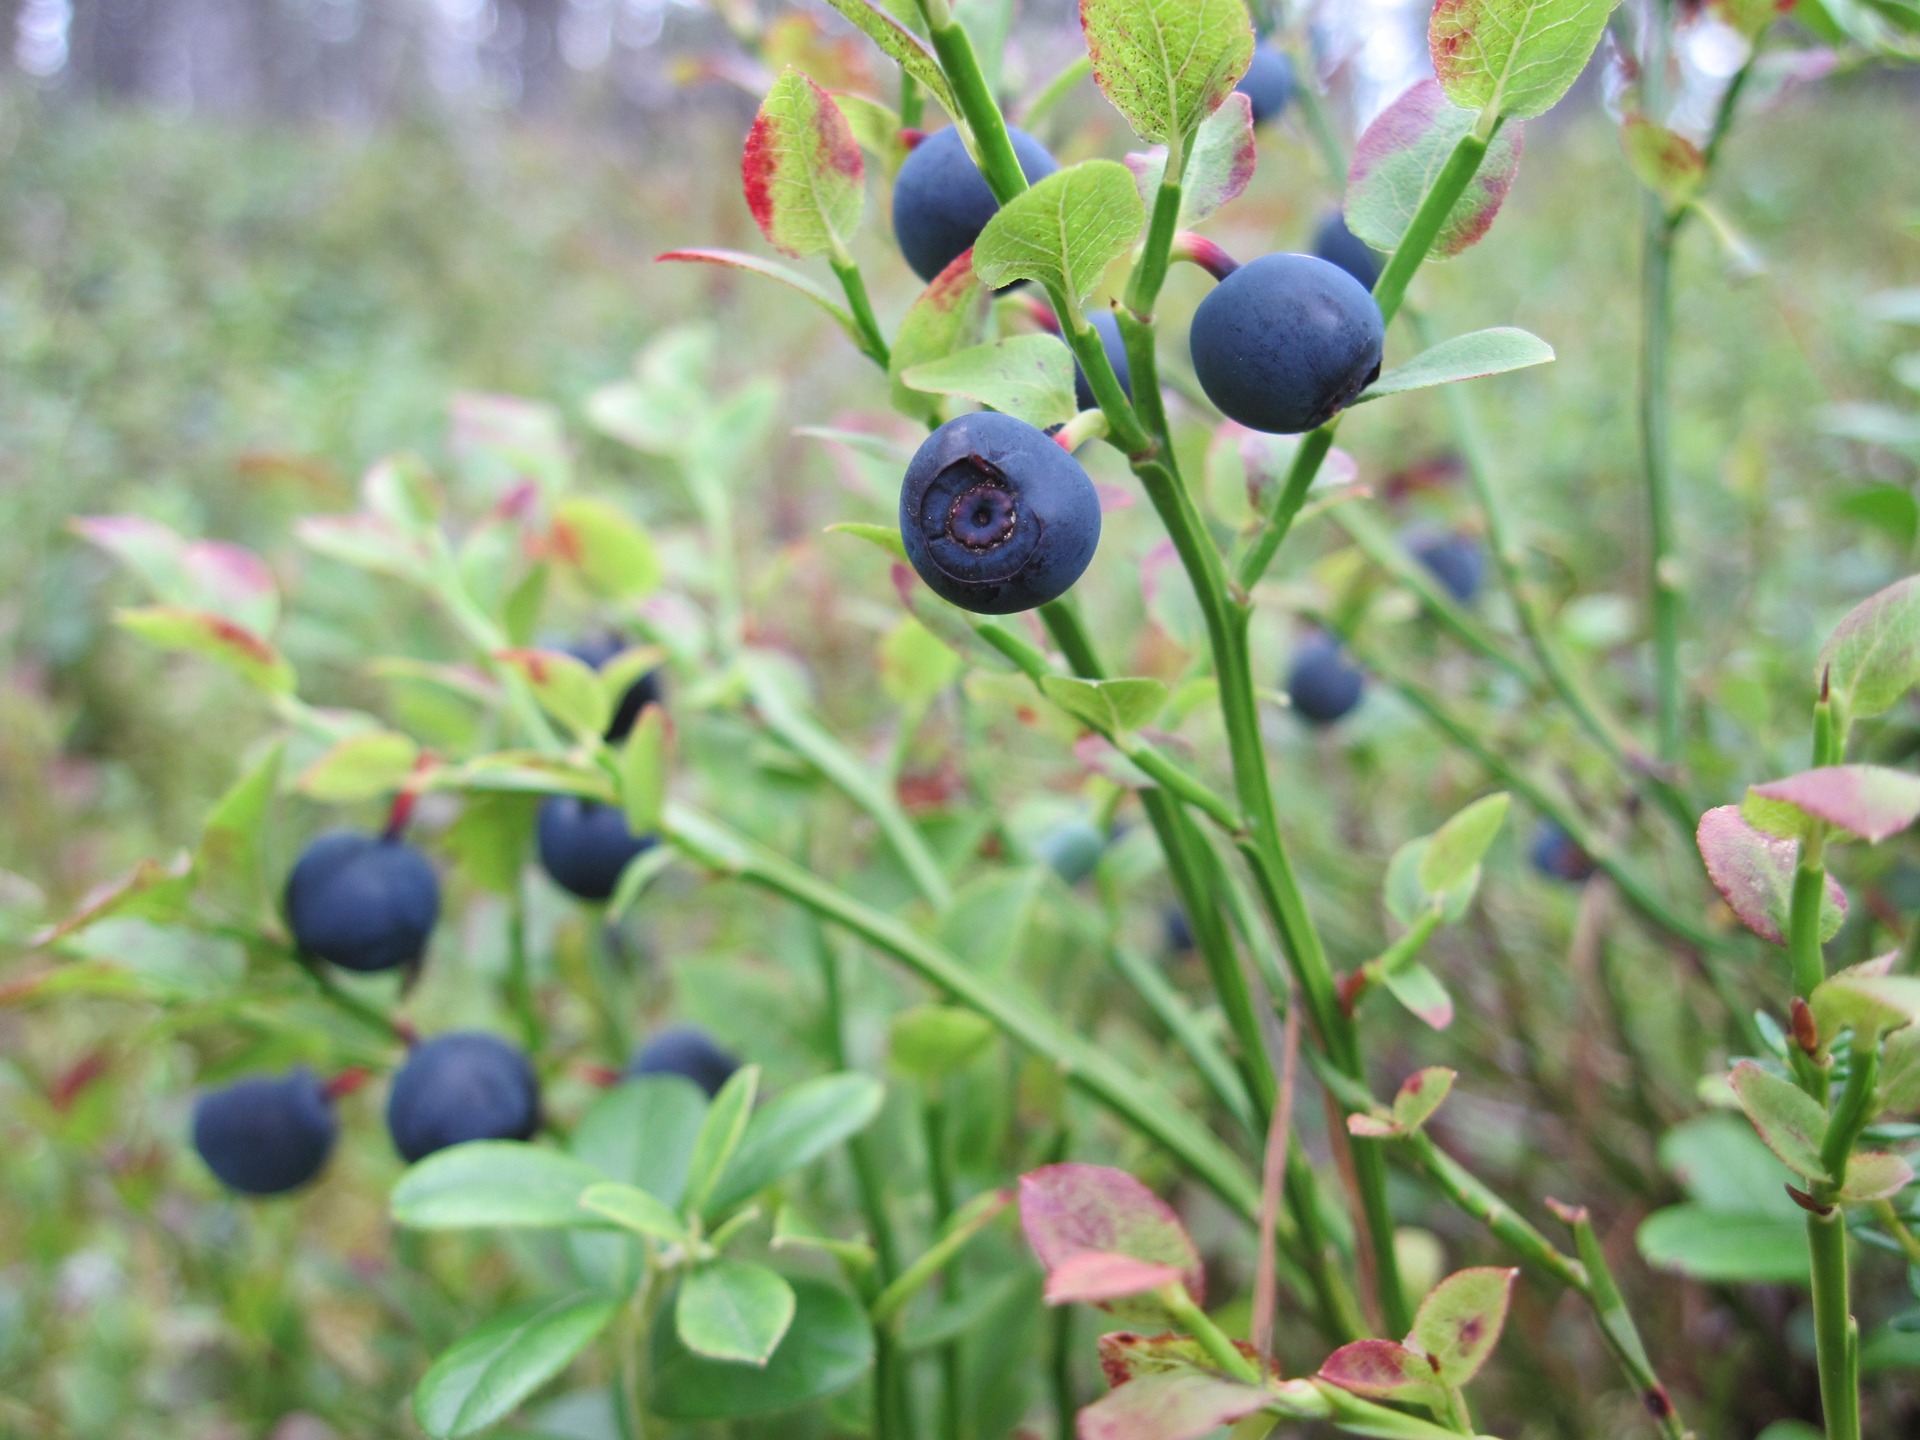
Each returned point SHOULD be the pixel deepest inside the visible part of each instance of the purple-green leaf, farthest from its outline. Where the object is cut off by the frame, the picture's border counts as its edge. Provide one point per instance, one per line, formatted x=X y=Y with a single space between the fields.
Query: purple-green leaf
x=1790 y=1121
x=1069 y=1209
x=1874 y=1175
x=1384 y=1370
x=1873 y=656
x=1398 y=159
x=1095 y=1277
x=1458 y=1325
x=1754 y=875
x=1218 y=166
x=1170 y=1407
x=1871 y=801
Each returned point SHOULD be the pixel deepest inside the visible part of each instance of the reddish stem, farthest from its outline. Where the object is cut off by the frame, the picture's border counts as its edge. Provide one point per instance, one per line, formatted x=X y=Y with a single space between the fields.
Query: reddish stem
x=345 y=1083
x=1198 y=250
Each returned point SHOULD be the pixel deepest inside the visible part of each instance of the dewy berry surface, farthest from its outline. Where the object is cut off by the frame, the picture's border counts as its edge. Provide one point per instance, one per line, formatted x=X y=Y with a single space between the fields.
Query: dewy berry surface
x=1286 y=342
x=995 y=516
x=941 y=201
x=362 y=902
x=265 y=1135
x=463 y=1086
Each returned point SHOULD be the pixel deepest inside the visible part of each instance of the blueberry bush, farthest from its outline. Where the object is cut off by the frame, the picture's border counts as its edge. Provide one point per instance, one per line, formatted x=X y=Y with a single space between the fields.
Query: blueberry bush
x=975 y=1106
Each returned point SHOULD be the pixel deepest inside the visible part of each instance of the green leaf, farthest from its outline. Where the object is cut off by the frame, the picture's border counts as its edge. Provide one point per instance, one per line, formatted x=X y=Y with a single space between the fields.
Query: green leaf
x=903 y=45
x=720 y=1135
x=1219 y=163
x=877 y=128
x=1513 y=57
x=795 y=1129
x=366 y=542
x=1790 y=1121
x=361 y=767
x=643 y=771
x=200 y=632
x=1873 y=657
x=1723 y=1167
x=1063 y=232
x=1460 y=1322
x=772 y=269
x=227 y=864
x=828 y=1346
x=884 y=537
x=490 y=838
x=1401 y=155
x=804 y=179
x=1720 y=1248
x=1874 y=1175
x=494 y=1183
x=915 y=664
x=1465 y=357
x=1167 y=64
x=642 y=1132
x=169 y=962
x=1865 y=1000
x=1900 y=1072
x=729 y=1310
x=1754 y=875
x=929 y=1042
x=566 y=688
x=607 y=548
x=1027 y=376
x=1668 y=164
x=1870 y=801
x=490 y=1370
x=949 y=315
x=1107 y=705
x=1456 y=848
x=1421 y=992
x=632 y=1208
x=1420 y=1095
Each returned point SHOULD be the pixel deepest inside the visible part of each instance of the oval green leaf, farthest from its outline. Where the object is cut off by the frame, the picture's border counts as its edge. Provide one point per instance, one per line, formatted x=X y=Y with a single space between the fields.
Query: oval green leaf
x=828 y=1346
x=485 y=1183
x=493 y=1368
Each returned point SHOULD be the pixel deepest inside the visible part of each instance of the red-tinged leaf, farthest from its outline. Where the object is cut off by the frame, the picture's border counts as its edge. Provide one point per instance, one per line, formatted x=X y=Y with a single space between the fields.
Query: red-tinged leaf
x=1093 y=1277
x=1373 y=1127
x=1513 y=57
x=1127 y=1355
x=1460 y=1322
x=564 y=687
x=1754 y=875
x=1870 y=801
x=366 y=542
x=1874 y=1175
x=1421 y=1094
x=151 y=891
x=1398 y=158
x=1170 y=1407
x=1383 y=1370
x=1218 y=168
x=1419 y=989
x=949 y=316
x=199 y=632
x=802 y=172
x=1067 y=1210
x=211 y=575
x=1873 y=655
x=773 y=270
x=1670 y=165
x=1791 y=1122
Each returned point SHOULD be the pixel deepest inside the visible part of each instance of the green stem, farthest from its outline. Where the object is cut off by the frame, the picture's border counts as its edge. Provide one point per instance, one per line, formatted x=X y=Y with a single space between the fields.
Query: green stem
x=1809 y=965
x=1143 y=286
x=1060 y=1374
x=996 y=157
x=1619 y=1331
x=1855 y=1107
x=954 y=1238
x=1209 y=1062
x=866 y=1170
x=1834 y=1332
x=1656 y=299
x=1191 y=1318
x=1435 y=206
x=940 y=1187
x=1056 y=90
x=873 y=342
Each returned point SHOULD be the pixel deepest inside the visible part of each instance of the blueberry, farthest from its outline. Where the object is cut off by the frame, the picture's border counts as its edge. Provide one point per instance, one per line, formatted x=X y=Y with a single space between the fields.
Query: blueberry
x=995 y=516
x=688 y=1053
x=1268 y=83
x=941 y=201
x=584 y=845
x=466 y=1085
x=1323 y=684
x=1556 y=855
x=1337 y=245
x=596 y=651
x=1111 y=341
x=363 y=902
x=1284 y=343
x=1454 y=559
x=1072 y=850
x=1178 y=927
x=266 y=1134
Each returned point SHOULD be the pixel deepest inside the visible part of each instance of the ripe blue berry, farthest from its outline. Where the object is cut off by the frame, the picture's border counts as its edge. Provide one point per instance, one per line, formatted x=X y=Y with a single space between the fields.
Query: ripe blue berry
x=466 y=1085
x=1556 y=855
x=688 y=1053
x=995 y=516
x=1286 y=342
x=1322 y=683
x=1455 y=560
x=596 y=651
x=584 y=845
x=362 y=902
x=266 y=1134
x=941 y=201
x=1269 y=81
x=1111 y=341
x=1334 y=243
x=1178 y=926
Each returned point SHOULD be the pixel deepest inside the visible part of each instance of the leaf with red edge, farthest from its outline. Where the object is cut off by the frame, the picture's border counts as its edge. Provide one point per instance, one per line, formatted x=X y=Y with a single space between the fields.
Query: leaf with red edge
x=1127 y=1355
x=949 y=316
x=1513 y=57
x=199 y=632
x=564 y=687
x=152 y=891
x=1399 y=157
x=1791 y=1122
x=1872 y=658
x=1421 y=1094
x=1871 y=801
x=1069 y=1209
x=1166 y=64
x=1094 y=1277
x=1874 y=1175
x=802 y=171
x=1170 y=1407
x=1458 y=1325
x=1668 y=164
x=773 y=270
x=1218 y=168
x=1754 y=875
x=210 y=575
x=1384 y=1370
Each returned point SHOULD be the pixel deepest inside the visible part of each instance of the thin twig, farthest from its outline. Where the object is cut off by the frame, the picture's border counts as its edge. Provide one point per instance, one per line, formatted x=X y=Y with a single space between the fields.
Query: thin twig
x=1266 y=1280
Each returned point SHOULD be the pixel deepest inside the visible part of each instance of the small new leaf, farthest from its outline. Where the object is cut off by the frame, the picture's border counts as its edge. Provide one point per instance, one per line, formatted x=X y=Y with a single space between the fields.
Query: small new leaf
x=1421 y=1094
x=1790 y=1121
x=730 y=1310
x=1457 y=847
x=1460 y=1322
x=1873 y=656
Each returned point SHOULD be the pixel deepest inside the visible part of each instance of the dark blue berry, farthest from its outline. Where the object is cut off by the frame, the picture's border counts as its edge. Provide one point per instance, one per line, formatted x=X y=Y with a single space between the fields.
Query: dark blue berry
x=1556 y=855
x=1337 y=245
x=1072 y=850
x=1108 y=327
x=1322 y=683
x=1286 y=342
x=363 y=902
x=1268 y=83
x=688 y=1053
x=266 y=1134
x=941 y=201
x=584 y=845
x=995 y=516
x=458 y=1087
x=1178 y=928
x=1455 y=560
x=596 y=651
